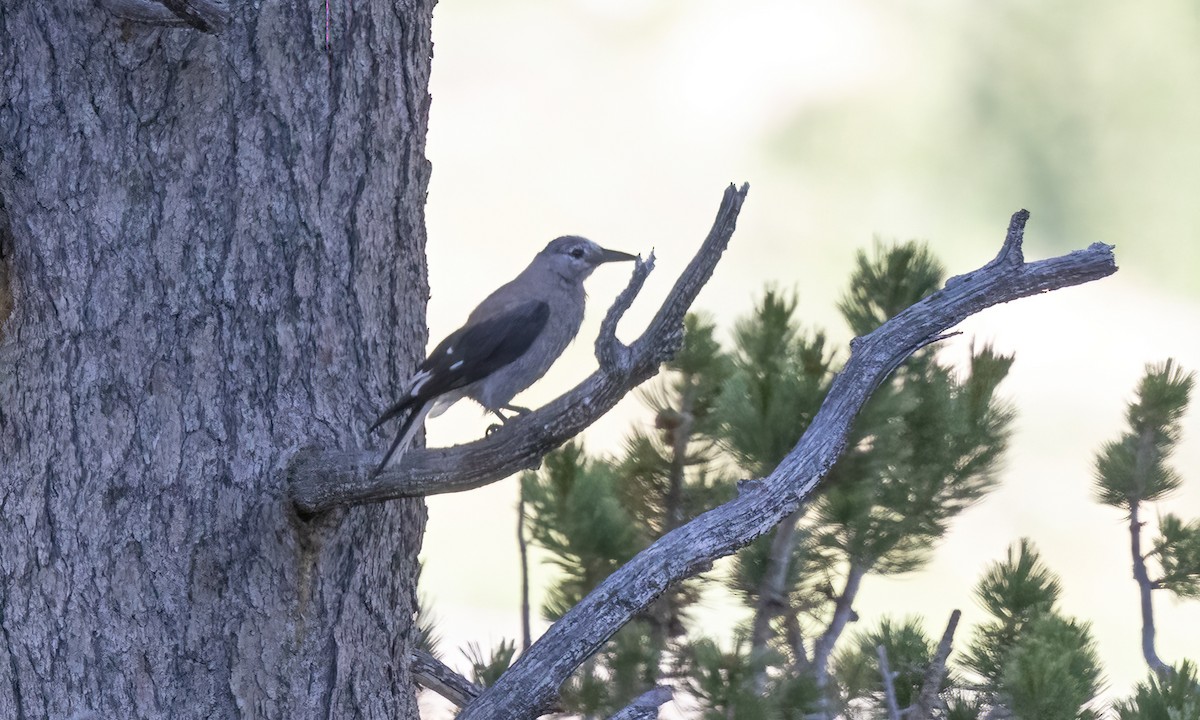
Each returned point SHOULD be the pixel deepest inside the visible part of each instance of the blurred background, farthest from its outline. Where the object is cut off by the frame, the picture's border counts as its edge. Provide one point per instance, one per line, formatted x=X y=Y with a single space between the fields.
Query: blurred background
x=624 y=121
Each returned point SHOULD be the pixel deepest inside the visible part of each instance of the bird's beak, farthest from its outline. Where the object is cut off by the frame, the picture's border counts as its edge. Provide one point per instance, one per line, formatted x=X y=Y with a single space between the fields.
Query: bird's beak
x=615 y=256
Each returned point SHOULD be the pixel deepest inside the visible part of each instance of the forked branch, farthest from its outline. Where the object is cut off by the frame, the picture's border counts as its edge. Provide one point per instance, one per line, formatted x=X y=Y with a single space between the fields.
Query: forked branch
x=325 y=479
x=531 y=683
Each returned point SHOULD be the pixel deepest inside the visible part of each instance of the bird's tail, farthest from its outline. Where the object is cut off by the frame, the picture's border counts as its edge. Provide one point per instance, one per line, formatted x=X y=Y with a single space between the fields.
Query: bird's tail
x=390 y=413
x=404 y=436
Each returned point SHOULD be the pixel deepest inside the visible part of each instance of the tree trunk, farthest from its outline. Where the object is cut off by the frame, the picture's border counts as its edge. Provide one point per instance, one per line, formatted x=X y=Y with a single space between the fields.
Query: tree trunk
x=773 y=596
x=843 y=609
x=1145 y=590
x=217 y=257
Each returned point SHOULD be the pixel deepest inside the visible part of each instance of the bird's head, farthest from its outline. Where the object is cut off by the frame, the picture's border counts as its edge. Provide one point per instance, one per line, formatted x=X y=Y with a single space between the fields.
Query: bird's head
x=573 y=258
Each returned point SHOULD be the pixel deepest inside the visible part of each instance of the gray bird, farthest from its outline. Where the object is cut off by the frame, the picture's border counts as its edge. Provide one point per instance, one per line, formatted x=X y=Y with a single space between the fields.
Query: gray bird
x=508 y=342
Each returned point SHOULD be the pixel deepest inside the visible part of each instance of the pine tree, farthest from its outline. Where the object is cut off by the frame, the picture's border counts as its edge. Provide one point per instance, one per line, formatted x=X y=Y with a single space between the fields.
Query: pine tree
x=1173 y=696
x=1031 y=662
x=592 y=514
x=1133 y=470
x=908 y=651
x=922 y=451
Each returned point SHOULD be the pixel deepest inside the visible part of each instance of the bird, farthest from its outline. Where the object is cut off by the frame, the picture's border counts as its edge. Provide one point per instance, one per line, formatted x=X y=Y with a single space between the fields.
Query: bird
x=508 y=342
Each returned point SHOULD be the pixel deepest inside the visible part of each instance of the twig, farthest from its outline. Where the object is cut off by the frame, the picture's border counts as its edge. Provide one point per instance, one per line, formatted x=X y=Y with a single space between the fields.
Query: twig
x=645 y=707
x=927 y=698
x=523 y=551
x=325 y=479
x=438 y=677
x=531 y=683
x=889 y=683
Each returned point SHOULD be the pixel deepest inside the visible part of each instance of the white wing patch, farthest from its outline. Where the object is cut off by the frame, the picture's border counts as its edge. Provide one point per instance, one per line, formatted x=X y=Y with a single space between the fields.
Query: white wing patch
x=418 y=382
x=456 y=365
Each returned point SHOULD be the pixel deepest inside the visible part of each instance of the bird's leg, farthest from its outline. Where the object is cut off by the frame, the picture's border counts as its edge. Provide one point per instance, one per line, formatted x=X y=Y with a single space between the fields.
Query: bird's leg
x=516 y=411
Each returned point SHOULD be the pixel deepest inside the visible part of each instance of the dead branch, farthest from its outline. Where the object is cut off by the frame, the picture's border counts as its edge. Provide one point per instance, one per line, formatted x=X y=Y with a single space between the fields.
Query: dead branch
x=645 y=706
x=325 y=479
x=531 y=683
x=435 y=675
x=889 y=683
x=927 y=699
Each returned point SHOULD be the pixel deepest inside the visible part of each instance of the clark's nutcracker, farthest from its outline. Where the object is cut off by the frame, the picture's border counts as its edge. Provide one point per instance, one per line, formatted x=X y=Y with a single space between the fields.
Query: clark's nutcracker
x=509 y=341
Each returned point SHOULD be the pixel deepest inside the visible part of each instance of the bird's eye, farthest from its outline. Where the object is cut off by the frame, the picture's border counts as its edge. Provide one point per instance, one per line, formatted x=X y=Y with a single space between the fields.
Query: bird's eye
x=577 y=253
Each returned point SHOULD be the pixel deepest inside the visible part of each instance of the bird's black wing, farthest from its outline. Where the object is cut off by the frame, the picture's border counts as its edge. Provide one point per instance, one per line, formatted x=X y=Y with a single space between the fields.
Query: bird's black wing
x=472 y=353
x=480 y=349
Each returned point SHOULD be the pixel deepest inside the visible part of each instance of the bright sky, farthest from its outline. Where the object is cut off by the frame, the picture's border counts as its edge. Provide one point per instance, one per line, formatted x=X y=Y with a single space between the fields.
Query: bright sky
x=624 y=121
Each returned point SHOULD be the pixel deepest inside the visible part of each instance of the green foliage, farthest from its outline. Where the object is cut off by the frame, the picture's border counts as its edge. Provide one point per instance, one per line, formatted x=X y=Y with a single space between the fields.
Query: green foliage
x=667 y=475
x=778 y=380
x=592 y=516
x=486 y=670
x=1134 y=467
x=427 y=635
x=1033 y=662
x=1177 y=549
x=1014 y=592
x=804 y=575
x=1052 y=671
x=927 y=444
x=724 y=685
x=881 y=287
x=1172 y=696
x=925 y=448
x=962 y=705
x=923 y=452
x=626 y=666
x=780 y=375
x=575 y=514
x=909 y=651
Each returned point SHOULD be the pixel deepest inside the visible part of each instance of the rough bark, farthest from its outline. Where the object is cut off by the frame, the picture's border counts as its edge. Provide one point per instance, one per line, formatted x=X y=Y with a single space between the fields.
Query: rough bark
x=438 y=677
x=217 y=254
x=645 y=706
x=530 y=684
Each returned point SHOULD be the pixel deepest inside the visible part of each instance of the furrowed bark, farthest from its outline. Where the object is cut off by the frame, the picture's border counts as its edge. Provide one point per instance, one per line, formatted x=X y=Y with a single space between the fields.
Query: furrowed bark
x=531 y=683
x=208 y=237
x=438 y=677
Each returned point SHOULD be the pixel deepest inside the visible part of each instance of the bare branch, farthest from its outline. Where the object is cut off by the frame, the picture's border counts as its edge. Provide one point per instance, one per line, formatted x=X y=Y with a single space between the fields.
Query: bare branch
x=610 y=352
x=438 y=677
x=927 y=699
x=889 y=683
x=210 y=16
x=531 y=683
x=645 y=707
x=324 y=479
